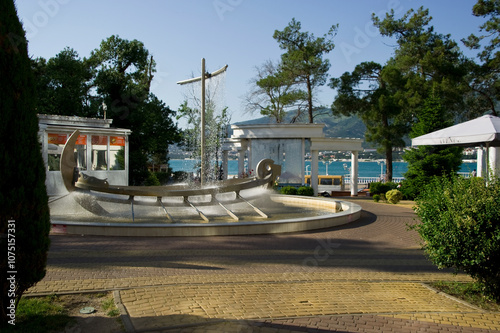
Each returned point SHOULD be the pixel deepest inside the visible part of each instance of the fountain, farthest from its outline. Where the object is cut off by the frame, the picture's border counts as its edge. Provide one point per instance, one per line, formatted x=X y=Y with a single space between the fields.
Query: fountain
x=228 y=207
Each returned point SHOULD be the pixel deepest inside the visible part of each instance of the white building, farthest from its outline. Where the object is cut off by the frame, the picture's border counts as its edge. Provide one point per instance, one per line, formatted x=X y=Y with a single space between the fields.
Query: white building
x=100 y=151
x=286 y=145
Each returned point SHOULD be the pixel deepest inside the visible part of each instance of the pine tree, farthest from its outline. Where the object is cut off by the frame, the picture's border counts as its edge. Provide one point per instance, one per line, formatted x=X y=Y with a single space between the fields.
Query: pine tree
x=425 y=162
x=24 y=212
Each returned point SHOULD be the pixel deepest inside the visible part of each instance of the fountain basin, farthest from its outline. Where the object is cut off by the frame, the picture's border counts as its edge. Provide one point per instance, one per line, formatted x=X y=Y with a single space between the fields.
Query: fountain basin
x=334 y=213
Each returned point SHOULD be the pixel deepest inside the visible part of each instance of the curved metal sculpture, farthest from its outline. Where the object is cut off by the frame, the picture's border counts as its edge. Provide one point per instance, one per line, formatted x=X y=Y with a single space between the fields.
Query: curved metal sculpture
x=266 y=171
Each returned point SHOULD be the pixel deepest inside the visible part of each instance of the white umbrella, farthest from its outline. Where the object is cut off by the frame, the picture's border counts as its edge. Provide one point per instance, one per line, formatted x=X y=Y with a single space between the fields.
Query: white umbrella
x=482 y=130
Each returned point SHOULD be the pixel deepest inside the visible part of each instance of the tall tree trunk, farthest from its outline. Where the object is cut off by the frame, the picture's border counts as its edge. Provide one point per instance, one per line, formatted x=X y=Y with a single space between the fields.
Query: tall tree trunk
x=388 y=151
x=309 y=100
x=388 y=163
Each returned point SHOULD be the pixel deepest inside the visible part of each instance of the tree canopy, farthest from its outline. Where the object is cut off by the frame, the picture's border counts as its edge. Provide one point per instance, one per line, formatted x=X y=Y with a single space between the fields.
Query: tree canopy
x=389 y=98
x=303 y=58
x=426 y=162
x=484 y=76
x=426 y=59
x=274 y=92
x=117 y=74
x=372 y=92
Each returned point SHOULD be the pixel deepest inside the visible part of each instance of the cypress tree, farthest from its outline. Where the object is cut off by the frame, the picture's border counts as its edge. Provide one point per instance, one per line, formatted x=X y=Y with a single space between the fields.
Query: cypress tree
x=24 y=212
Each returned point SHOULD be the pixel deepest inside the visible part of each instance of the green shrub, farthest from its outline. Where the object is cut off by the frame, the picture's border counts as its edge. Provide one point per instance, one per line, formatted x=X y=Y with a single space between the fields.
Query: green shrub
x=382 y=188
x=152 y=180
x=305 y=191
x=460 y=227
x=376 y=197
x=394 y=196
x=290 y=190
x=163 y=177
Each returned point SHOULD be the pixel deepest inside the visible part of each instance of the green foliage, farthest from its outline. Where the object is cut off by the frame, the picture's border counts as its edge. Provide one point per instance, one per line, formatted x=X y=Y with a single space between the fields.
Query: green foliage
x=273 y=92
x=305 y=191
x=382 y=188
x=491 y=10
x=484 y=94
x=40 y=314
x=216 y=123
x=290 y=190
x=425 y=162
x=23 y=196
x=378 y=105
x=460 y=227
x=388 y=97
x=118 y=73
x=394 y=196
x=153 y=130
x=63 y=84
x=152 y=180
x=109 y=306
x=163 y=177
x=376 y=197
x=303 y=60
x=426 y=59
x=470 y=292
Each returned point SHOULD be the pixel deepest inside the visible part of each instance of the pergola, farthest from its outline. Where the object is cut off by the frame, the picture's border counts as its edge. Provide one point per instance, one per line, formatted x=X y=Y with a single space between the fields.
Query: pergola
x=286 y=145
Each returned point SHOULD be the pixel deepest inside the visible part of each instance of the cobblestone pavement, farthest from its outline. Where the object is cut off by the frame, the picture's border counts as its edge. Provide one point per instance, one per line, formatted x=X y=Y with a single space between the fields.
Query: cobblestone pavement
x=368 y=276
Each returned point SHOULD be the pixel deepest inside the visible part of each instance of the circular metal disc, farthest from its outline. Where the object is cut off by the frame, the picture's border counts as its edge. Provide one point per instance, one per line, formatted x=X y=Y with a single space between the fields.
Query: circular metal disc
x=87 y=309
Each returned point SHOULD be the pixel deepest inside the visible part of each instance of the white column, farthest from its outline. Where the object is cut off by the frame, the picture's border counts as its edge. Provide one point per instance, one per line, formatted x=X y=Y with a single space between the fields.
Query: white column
x=494 y=161
x=354 y=173
x=241 y=158
x=480 y=162
x=314 y=171
x=250 y=158
x=44 y=138
x=127 y=152
x=303 y=160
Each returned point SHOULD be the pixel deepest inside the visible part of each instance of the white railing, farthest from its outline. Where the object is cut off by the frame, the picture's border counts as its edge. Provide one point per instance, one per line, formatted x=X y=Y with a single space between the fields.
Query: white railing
x=368 y=180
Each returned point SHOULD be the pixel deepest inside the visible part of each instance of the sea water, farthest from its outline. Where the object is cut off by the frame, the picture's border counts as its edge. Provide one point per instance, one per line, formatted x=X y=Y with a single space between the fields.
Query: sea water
x=365 y=168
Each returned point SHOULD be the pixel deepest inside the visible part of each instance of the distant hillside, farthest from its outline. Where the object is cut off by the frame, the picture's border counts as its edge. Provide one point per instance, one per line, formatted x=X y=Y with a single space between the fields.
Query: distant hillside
x=336 y=127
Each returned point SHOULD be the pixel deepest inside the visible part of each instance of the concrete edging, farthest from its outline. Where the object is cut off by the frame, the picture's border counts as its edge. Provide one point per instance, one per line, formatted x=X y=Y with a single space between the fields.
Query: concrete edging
x=350 y=212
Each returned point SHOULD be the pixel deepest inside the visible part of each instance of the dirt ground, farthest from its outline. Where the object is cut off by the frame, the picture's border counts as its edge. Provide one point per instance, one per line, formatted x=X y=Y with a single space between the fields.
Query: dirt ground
x=96 y=322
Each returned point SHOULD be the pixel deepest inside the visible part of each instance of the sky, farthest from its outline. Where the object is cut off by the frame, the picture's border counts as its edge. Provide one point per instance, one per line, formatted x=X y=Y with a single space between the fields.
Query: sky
x=239 y=33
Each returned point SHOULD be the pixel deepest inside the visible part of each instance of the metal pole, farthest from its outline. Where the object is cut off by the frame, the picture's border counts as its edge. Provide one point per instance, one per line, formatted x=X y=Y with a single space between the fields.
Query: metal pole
x=202 y=176
x=202 y=78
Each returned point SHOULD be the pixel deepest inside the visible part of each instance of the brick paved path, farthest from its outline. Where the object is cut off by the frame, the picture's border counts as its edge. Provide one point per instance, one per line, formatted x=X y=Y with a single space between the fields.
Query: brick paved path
x=368 y=276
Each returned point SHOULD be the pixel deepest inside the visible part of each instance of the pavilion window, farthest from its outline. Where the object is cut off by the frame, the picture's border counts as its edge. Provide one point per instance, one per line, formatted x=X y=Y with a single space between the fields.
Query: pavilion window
x=117 y=153
x=99 y=152
x=81 y=152
x=56 y=143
